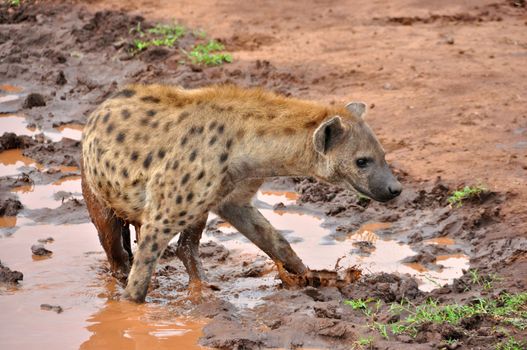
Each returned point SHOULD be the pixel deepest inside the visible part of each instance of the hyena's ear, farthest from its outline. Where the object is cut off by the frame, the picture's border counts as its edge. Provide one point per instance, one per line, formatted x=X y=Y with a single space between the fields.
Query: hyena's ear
x=358 y=109
x=328 y=134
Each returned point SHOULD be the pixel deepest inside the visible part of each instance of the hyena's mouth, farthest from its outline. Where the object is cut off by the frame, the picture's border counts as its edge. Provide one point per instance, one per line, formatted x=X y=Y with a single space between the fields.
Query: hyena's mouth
x=349 y=184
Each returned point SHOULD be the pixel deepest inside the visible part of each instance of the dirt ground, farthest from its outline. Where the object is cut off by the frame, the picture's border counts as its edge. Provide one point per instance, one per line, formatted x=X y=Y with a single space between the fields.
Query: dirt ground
x=446 y=83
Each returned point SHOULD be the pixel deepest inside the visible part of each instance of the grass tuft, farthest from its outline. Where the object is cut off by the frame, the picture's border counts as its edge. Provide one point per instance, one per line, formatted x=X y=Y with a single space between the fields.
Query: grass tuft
x=363 y=343
x=510 y=309
x=512 y=344
x=160 y=35
x=13 y=3
x=467 y=192
x=209 y=54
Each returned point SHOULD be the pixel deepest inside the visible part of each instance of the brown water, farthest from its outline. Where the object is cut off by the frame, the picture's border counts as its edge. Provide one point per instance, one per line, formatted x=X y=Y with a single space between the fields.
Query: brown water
x=441 y=241
x=10 y=88
x=12 y=160
x=72 y=279
x=7 y=221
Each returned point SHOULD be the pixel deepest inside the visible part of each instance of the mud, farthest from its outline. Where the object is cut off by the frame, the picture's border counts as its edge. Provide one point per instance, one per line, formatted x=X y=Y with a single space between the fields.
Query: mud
x=9 y=276
x=420 y=66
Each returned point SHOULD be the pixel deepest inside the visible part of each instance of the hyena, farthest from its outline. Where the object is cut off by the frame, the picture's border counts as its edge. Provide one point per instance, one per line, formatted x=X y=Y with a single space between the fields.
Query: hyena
x=161 y=158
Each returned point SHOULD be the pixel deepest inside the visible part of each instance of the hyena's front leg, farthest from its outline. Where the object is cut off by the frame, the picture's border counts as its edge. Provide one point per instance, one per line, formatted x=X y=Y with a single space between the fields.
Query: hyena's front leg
x=253 y=225
x=154 y=239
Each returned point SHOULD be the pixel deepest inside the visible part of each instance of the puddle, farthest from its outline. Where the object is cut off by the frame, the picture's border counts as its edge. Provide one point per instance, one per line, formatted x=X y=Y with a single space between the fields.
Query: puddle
x=71 y=131
x=123 y=325
x=49 y=196
x=7 y=221
x=68 y=169
x=276 y=197
x=10 y=88
x=70 y=279
x=319 y=249
x=440 y=241
x=12 y=160
x=19 y=126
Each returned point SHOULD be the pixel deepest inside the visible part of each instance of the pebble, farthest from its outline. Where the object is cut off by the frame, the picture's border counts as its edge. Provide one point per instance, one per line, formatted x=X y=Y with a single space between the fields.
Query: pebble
x=38 y=249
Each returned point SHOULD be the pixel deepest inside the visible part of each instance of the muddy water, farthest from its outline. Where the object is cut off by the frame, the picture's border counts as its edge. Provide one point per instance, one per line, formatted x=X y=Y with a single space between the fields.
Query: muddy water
x=19 y=126
x=73 y=277
x=320 y=249
x=11 y=161
x=49 y=196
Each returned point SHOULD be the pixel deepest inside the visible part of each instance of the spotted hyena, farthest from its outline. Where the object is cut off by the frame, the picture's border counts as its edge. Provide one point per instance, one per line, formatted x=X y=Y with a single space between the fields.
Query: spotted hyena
x=161 y=158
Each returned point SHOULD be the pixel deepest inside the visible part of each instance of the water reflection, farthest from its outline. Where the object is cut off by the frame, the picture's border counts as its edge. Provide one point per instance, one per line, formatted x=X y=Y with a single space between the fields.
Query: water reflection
x=125 y=325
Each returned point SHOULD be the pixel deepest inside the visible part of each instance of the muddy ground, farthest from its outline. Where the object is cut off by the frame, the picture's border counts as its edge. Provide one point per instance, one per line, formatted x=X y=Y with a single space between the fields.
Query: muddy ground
x=446 y=83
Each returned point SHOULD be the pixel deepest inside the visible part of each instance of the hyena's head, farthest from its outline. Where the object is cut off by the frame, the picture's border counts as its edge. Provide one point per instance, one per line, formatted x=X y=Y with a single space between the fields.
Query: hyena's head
x=351 y=156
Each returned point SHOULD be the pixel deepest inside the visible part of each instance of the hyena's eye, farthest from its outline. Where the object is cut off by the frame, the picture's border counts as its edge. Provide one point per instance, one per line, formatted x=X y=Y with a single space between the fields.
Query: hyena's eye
x=362 y=162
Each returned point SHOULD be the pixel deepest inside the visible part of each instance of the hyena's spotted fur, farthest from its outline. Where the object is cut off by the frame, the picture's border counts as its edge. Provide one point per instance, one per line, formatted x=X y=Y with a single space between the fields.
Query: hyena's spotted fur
x=162 y=157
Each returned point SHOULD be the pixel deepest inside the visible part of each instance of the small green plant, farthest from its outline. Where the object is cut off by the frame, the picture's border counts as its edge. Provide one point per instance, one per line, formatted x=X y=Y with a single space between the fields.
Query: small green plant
x=357 y=304
x=209 y=54
x=175 y=30
x=363 y=343
x=487 y=282
x=362 y=304
x=475 y=277
x=159 y=35
x=13 y=3
x=200 y=33
x=467 y=192
x=382 y=328
x=450 y=341
x=512 y=344
x=137 y=29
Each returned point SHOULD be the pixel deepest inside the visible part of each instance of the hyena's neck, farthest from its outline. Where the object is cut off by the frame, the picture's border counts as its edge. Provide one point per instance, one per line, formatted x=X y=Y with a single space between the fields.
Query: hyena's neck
x=277 y=153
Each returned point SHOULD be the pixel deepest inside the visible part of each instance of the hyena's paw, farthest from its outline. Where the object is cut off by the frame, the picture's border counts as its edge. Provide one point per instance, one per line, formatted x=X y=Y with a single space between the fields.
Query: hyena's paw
x=201 y=291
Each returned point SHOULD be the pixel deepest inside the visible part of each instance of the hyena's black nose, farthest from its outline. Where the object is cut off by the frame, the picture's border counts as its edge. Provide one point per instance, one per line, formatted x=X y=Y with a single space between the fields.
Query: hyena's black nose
x=395 y=188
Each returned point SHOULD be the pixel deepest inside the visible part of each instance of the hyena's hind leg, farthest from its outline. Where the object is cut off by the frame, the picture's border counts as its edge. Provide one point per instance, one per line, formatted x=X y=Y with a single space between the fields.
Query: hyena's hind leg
x=114 y=233
x=188 y=252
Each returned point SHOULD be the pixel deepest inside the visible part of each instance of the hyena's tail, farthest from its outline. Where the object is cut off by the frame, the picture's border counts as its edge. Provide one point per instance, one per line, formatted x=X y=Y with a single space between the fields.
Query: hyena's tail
x=114 y=233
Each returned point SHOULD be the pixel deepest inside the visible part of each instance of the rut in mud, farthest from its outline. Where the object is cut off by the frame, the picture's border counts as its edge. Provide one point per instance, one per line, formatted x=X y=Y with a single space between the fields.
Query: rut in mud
x=411 y=249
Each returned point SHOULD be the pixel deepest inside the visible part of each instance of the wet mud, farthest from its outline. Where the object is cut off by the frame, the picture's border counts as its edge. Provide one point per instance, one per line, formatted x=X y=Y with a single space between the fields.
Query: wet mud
x=54 y=279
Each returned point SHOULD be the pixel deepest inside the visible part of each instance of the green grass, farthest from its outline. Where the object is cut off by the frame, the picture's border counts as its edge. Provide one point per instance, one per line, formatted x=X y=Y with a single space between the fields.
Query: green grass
x=450 y=341
x=13 y=3
x=487 y=282
x=507 y=309
x=512 y=344
x=363 y=343
x=382 y=328
x=160 y=35
x=467 y=192
x=209 y=54
x=358 y=304
x=363 y=305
